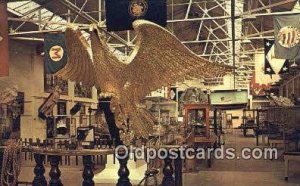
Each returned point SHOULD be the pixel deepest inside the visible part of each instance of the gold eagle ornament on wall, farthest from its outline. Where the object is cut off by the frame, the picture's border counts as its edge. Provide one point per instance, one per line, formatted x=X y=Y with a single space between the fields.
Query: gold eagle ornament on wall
x=158 y=59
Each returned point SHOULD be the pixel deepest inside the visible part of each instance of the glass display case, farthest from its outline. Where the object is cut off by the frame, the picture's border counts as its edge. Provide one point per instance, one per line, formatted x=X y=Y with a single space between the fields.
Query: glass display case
x=58 y=126
x=197 y=120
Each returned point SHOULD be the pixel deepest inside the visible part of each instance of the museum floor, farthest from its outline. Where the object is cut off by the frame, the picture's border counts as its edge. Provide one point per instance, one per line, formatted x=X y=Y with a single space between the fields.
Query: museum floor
x=223 y=172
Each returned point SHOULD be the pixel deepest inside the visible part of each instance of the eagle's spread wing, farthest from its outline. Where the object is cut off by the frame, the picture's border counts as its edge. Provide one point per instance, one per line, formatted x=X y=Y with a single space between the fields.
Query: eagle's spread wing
x=79 y=67
x=111 y=77
x=159 y=59
x=108 y=67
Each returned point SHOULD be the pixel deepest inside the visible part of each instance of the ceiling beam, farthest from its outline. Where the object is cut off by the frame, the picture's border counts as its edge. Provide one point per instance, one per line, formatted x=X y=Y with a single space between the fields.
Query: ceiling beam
x=272 y=5
x=89 y=18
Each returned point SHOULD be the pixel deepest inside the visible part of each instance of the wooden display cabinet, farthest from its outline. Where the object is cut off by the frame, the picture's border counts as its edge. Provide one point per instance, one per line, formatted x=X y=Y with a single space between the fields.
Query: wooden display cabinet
x=196 y=119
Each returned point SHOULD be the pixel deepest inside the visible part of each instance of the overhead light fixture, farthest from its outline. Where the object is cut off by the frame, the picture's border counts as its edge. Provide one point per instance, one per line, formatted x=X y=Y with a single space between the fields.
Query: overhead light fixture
x=243 y=56
x=294 y=64
x=242 y=67
x=245 y=41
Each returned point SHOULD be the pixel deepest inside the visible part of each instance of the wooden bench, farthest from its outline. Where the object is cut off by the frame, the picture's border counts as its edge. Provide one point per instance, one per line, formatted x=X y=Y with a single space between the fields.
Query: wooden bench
x=295 y=156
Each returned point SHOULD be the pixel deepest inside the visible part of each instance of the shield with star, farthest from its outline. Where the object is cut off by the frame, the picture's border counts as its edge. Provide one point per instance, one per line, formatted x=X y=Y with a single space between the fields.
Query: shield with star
x=272 y=64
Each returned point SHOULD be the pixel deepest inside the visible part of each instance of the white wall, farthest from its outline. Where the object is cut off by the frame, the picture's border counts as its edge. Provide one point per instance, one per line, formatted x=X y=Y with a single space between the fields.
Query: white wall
x=27 y=72
x=237 y=112
x=228 y=84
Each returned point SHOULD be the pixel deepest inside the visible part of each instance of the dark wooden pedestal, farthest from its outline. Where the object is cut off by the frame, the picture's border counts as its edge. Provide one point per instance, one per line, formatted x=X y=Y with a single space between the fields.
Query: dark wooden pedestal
x=88 y=173
x=168 y=171
x=123 y=173
x=54 y=171
x=39 y=171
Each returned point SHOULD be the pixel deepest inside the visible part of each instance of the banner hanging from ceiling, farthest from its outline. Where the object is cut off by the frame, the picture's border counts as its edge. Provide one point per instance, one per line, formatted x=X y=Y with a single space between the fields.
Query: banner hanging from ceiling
x=261 y=80
x=257 y=89
x=287 y=33
x=43 y=2
x=55 y=52
x=229 y=97
x=121 y=13
x=274 y=65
